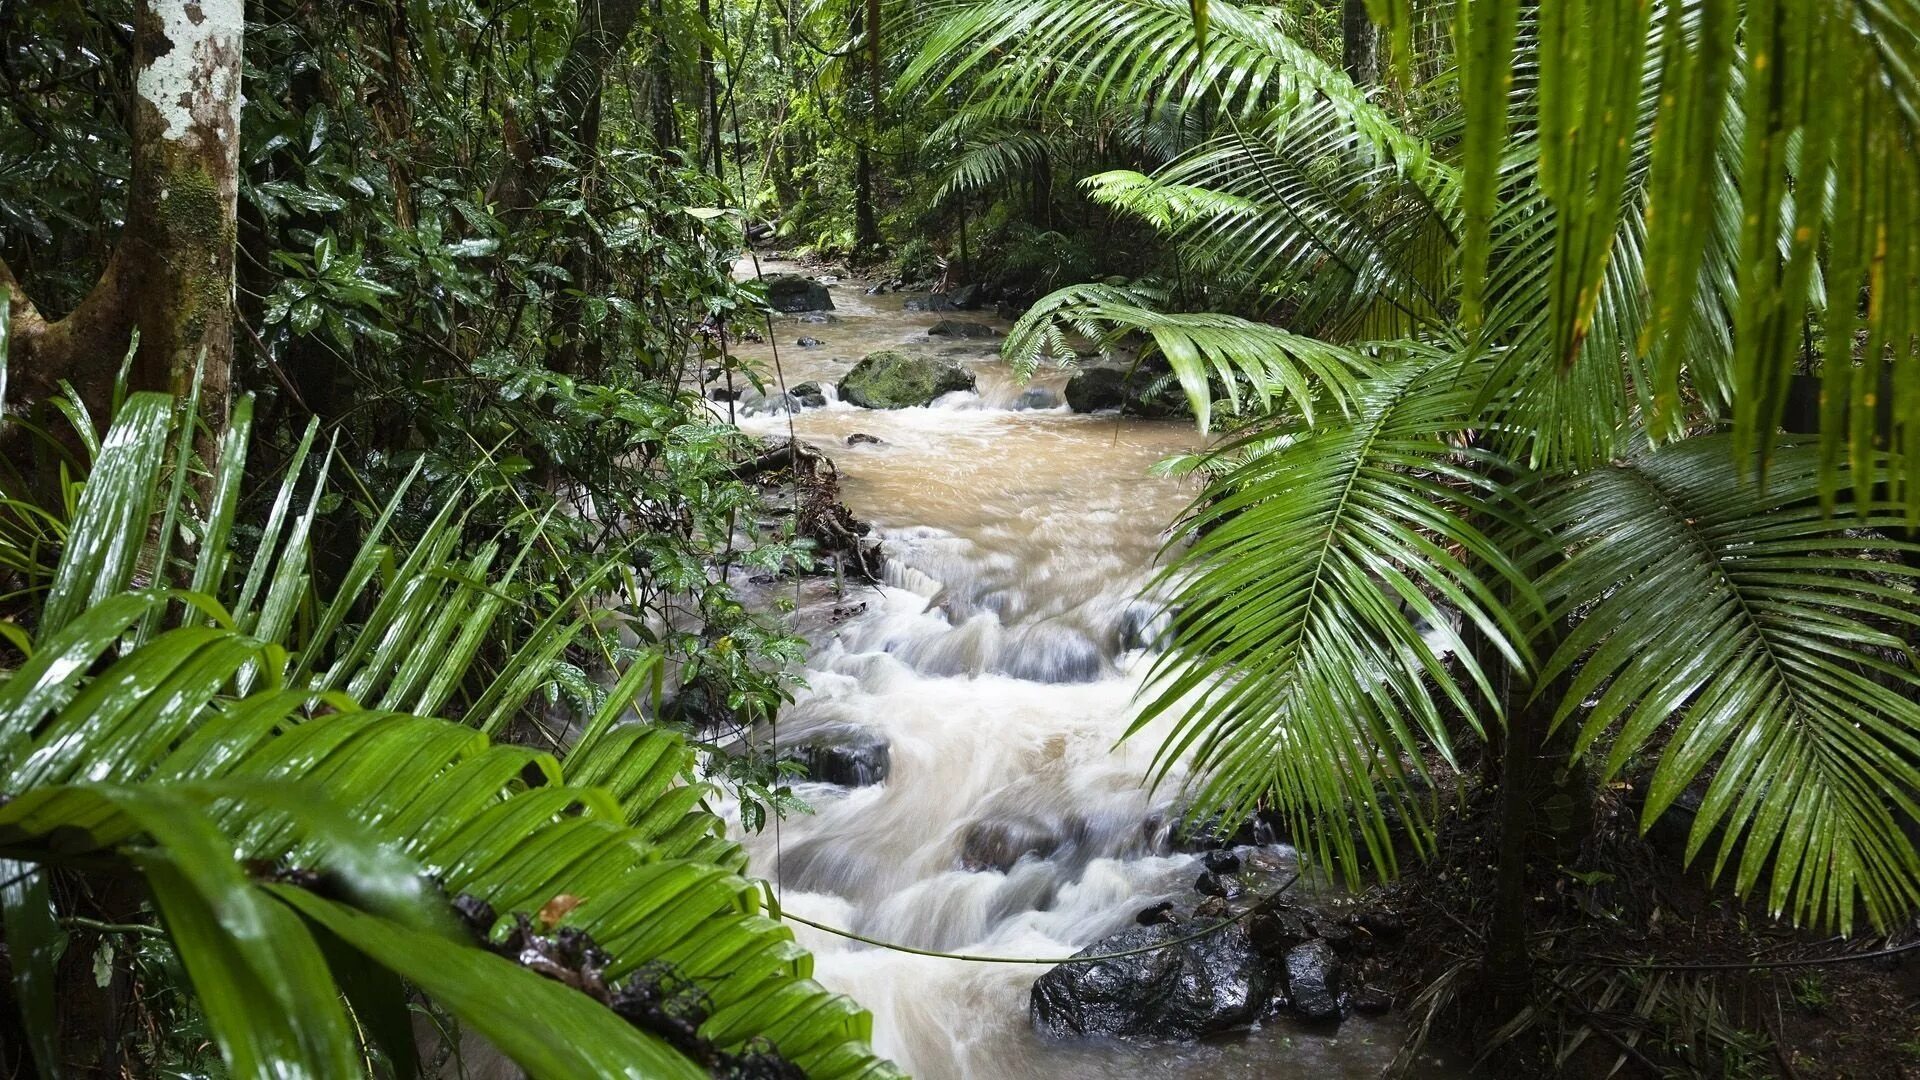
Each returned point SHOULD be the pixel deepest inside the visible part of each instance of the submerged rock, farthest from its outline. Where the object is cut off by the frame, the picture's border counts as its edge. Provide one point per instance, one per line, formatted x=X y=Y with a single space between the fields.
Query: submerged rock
x=1037 y=397
x=792 y=292
x=809 y=342
x=851 y=758
x=998 y=844
x=957 y=328
x=890 y=379
x=861 y=438
x=1203 y=987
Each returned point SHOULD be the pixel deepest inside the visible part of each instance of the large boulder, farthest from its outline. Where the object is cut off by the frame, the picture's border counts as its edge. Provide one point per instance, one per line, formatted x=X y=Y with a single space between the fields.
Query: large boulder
x=793 y=292
x=1145 y=389
x=998 y=843
x=1197 y=988
x=890 y=379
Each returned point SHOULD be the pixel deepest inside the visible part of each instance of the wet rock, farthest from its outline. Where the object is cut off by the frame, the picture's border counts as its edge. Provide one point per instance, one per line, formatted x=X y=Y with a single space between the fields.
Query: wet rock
x=792 y=292
x=878 y=289
x=1210 y=985
x=721 y=393
x=958 y=328
x=935 y=302
x=1161 y=912
x=861 y=438
x=1143 y=626
x=1276 y=929
x=1213 y=908
x=890 y=379
x=809 y=342
x=1146 y=389
x=853 y=758
x=1221 y=861
x=1096 y=390
x=1212 y=884
x=818 y=318
x=809 y=395
x=1313 y=981
x=1037 y=397
x=998 y=844
x=968 y=297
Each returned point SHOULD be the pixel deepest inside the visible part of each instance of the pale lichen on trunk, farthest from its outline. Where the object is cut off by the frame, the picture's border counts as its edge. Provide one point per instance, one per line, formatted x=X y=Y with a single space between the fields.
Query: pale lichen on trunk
x=171 y=272
x=186 y=128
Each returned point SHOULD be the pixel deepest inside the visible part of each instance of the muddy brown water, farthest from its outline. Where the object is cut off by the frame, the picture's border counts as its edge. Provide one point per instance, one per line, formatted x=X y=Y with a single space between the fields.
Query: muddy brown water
x=999 y=662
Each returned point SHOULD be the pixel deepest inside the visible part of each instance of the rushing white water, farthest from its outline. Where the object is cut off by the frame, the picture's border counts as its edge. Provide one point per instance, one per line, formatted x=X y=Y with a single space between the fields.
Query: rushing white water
x=999 y=662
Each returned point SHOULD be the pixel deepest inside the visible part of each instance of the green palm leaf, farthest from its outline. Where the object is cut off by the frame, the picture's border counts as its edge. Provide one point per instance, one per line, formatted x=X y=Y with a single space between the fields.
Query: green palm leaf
x=1749 y=618
x=1298 y=671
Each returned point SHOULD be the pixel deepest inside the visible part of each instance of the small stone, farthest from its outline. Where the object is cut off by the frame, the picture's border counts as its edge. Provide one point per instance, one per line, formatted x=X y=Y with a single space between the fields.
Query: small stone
x=1213 y=907
x=1212 y=884
x=809 y=342
x=860 y=438
x=1161 y=912
x=1221 y=861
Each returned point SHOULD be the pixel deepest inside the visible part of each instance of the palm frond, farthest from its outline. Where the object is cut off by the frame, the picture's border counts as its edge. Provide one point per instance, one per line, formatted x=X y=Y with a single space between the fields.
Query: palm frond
x=1203 y=349
x=1299 y=672
x=1751 y=619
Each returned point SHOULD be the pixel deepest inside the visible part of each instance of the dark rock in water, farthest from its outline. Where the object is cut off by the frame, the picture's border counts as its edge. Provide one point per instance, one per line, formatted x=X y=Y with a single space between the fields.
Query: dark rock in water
x=1186 y=991
x=1370 y=1001
x=861 y=438
x=1141 y=627
x=1037 y=397
x=818 y=318
x=967 y=297
x=878 y=289
x=853 y=758
x=956 y=328
x=809 y=395
x=1161 y=912
x=721 y=393
x=1096 y=390
x=1221 y=861
x=1213 y=907
x=1277 y=928
x=792 y=292
x=809 y=342
x=998 y=844
x=890 y=379
x=1145 y=389
x=1212 y=884
x=1313 y=981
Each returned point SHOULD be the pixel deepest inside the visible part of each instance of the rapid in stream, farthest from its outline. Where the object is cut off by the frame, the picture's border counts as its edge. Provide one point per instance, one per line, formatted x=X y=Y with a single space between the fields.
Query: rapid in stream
x=998 y=663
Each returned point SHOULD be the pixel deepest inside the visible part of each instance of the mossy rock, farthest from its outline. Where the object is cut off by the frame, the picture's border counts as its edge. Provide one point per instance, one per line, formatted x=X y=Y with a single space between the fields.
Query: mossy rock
x=891 y=379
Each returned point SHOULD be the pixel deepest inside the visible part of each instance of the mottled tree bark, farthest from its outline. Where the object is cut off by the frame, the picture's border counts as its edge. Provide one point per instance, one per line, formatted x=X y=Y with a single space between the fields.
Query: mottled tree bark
x=171 y=272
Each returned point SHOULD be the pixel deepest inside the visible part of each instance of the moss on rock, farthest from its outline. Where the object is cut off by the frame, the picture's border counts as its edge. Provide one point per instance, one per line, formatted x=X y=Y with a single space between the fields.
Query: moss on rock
x=891 y=379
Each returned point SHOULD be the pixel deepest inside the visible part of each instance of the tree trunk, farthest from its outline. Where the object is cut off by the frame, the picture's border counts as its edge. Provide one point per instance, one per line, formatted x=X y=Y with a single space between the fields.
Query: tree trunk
x=666 y=130
x=1359 y=43
x=171 y=272
x=709 y=98
x=866 y=222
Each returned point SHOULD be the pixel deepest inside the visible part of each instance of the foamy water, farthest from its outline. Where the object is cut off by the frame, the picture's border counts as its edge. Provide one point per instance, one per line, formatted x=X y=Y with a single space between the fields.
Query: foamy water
x=1000 y=662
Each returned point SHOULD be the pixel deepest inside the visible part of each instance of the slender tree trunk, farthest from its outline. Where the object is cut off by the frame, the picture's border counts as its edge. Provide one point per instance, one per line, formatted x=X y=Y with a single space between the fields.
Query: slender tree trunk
x=666 y=129
x=866 y=222
x=709 y=98
x=1359 y=43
